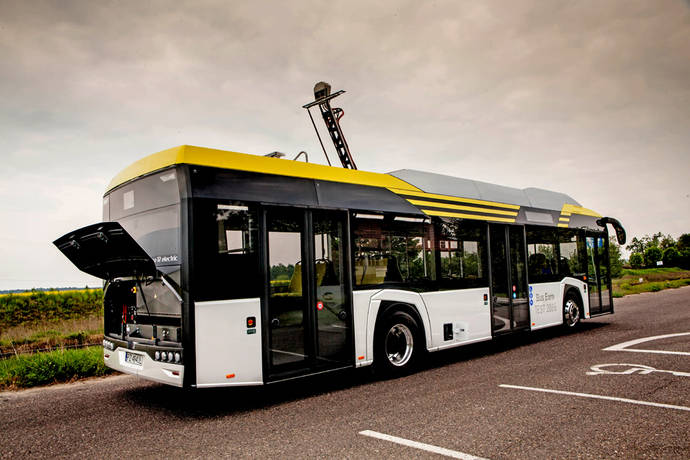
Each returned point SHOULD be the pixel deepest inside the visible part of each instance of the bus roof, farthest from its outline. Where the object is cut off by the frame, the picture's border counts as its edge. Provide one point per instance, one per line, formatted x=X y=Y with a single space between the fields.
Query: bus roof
x=433 y=194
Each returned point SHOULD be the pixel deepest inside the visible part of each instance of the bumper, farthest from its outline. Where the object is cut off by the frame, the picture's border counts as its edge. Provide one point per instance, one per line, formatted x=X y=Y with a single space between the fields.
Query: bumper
x=168 y=373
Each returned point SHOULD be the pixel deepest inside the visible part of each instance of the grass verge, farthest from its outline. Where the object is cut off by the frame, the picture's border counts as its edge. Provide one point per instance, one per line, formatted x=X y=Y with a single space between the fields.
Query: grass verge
x=26 y=371
x=649 y=280
x=50 y=334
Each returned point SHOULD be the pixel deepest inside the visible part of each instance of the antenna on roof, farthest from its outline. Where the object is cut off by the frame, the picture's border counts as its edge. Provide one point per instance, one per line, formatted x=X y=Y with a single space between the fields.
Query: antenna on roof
x=331 y=116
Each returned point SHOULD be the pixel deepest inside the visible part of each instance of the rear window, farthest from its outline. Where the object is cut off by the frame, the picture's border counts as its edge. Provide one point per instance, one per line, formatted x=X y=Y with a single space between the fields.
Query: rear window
x=149 y=209
x=144 y=194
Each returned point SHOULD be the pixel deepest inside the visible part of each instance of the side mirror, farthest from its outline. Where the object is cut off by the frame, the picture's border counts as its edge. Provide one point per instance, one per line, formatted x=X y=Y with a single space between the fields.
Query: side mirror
x=617 y=227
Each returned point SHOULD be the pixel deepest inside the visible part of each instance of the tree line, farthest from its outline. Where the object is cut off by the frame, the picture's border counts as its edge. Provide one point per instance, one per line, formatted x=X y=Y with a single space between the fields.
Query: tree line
x=648 y=250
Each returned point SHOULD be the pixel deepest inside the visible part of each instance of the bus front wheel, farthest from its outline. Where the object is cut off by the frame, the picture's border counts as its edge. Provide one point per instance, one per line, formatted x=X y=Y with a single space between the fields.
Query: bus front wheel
x=397 y=344
x=571 y=312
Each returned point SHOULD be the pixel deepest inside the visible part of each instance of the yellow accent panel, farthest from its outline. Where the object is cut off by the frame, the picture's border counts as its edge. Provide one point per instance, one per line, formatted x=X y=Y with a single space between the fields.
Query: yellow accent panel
x=188 y=154
x=146 y=165
x=453 y=198
x=563 y=225
x=564 y=219
x=573 y=209
x=466 y=216
x=433 y=204
x=565 y=213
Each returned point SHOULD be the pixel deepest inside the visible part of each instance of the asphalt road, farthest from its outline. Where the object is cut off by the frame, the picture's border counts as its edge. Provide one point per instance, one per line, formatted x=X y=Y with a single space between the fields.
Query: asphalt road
x=455 y=403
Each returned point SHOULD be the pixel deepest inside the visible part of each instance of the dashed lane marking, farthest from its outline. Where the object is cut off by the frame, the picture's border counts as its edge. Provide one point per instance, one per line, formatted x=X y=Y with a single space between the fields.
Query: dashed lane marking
x=609 y=398
x=420 y=445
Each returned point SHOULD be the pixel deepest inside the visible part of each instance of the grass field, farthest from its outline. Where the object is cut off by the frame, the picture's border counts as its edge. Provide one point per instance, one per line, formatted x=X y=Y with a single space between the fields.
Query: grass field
x=41 y=307
x=39 y=320
x=649 y=280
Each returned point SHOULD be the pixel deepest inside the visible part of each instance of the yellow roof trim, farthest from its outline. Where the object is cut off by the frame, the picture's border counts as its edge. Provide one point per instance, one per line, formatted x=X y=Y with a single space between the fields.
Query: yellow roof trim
x=201 y=156
x=454 y=198
x=573 y=209
x=434 y=204
x=429 y=212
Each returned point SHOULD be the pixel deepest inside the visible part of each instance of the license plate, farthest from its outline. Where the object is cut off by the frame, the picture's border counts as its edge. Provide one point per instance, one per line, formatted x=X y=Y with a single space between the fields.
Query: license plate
x=133 y=358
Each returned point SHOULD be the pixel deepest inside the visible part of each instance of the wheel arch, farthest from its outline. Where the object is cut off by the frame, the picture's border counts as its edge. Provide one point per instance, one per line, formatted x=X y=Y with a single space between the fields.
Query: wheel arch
x=384 y=301
x=389 y=306
x=572 y=291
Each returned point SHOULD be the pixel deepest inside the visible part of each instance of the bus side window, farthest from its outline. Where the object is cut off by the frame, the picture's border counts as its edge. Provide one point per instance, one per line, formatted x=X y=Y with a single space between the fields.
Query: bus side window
x=225 y=248
x=393 y=250
x=462 y=253
x=569 y=252
x=543 y=262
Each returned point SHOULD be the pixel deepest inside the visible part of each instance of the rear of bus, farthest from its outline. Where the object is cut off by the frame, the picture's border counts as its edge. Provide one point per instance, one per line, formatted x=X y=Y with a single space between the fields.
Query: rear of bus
x=137 y=251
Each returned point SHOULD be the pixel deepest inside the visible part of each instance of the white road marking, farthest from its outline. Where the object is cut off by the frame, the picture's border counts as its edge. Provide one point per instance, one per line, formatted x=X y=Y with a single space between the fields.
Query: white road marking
x=587 y=395
x=420 y=445
x=629 y=369
x=624 y=346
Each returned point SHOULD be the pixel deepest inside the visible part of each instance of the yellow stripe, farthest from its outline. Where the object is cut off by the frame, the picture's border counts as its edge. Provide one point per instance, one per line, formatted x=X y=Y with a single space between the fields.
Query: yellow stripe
x=565 y=213
x=453 y=198
x=432 y=204
x=563 y=225
x=564 y=219
x=573 y=209
x=466 y=216
x=187 y=154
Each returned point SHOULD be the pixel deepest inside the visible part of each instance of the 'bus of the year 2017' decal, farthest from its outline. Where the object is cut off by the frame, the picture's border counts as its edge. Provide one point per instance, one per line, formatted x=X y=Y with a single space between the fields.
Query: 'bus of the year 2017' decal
x=543 y=302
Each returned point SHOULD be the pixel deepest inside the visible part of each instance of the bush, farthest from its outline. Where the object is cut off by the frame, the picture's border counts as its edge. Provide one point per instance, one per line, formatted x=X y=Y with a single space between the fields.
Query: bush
x=651 y=256
x=671 y=257
x=683 y=242
x=684 y=259
x=636 y=260
x=56 y=366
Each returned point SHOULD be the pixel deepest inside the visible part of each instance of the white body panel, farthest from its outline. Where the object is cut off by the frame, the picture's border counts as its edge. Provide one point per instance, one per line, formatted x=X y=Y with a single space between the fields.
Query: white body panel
x=365 y=310
x=169 y=373
x=223 y=346
x=546 y=302
x=465 y=309
x=360 y=317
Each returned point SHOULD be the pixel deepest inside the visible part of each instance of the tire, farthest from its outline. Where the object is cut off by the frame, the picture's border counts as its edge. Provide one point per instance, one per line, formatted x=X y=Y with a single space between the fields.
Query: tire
x=572 y=312
x=398 y=344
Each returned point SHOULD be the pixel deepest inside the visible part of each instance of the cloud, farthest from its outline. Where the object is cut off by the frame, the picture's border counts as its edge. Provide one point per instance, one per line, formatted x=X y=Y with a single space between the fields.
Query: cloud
x=588 y=98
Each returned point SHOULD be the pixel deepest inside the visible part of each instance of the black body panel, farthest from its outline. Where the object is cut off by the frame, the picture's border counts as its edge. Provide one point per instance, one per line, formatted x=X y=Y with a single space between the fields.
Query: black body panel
x=362 y=197
x=106 y=251
x=244 y=186
x=283 y=190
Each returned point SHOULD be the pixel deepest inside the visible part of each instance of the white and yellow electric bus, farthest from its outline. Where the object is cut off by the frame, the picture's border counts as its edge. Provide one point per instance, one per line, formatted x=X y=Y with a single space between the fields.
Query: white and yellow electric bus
x=224 y=269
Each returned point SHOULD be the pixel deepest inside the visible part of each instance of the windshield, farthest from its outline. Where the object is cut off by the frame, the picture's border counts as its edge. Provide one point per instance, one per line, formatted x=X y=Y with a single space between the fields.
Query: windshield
x=149 y=210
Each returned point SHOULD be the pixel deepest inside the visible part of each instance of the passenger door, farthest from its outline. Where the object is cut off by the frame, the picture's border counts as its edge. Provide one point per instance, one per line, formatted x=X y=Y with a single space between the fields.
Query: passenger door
x=598 y=277
x=308 y=302
x=509 y=301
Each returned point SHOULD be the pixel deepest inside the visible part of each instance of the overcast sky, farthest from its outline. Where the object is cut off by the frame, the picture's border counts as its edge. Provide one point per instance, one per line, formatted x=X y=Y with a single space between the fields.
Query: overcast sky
x=590 y=98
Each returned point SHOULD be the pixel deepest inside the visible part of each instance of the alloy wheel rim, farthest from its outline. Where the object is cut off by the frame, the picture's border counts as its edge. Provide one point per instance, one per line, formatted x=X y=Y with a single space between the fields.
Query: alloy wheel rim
x=399 y=345
x=572 y=312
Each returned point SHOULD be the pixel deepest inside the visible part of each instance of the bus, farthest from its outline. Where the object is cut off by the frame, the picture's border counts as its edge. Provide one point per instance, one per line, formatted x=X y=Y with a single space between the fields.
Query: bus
x=224 y=269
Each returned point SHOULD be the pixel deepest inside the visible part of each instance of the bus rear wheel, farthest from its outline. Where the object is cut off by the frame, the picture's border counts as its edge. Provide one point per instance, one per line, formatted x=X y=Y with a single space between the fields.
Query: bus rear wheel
x=571 y=312
x=397 y=344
